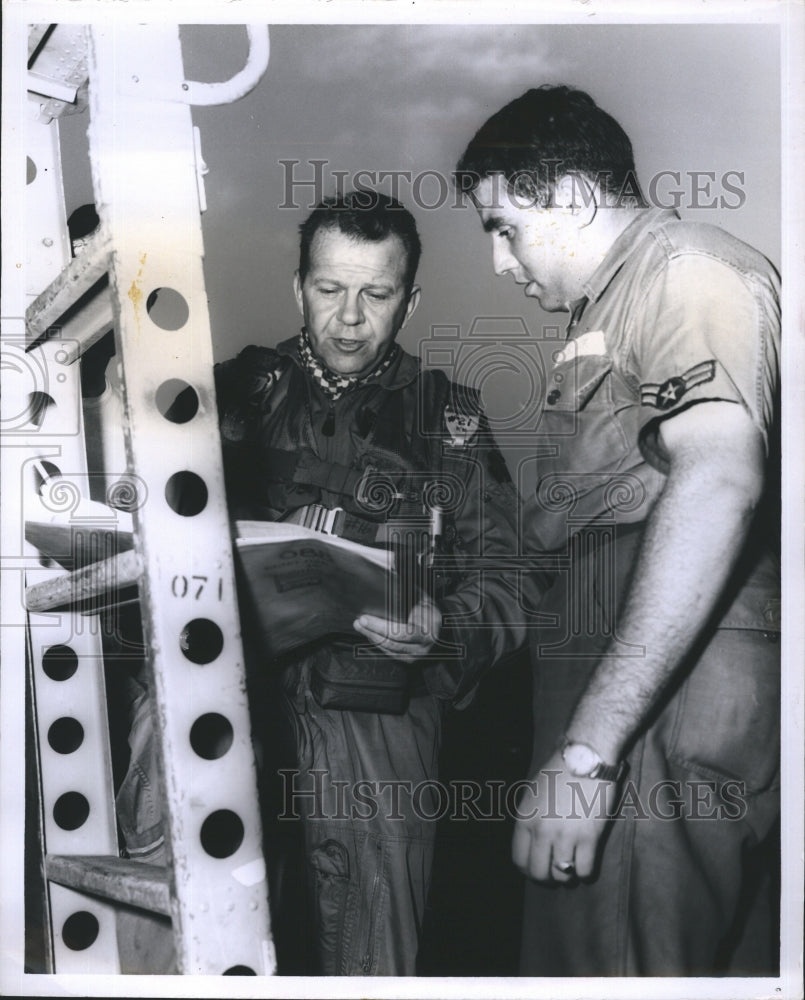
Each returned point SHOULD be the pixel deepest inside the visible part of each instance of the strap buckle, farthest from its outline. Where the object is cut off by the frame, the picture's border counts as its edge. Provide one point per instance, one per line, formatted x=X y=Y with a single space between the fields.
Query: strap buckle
x=317 y=517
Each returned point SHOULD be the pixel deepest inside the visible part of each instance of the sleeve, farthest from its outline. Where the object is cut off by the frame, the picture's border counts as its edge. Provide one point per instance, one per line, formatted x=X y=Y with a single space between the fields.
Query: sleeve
x=707 y=331
x=242 y=388
x=484 y=621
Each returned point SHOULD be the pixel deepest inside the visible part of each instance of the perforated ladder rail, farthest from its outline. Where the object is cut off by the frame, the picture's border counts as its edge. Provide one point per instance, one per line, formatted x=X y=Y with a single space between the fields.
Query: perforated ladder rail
x=146 y=183
x=46 y=452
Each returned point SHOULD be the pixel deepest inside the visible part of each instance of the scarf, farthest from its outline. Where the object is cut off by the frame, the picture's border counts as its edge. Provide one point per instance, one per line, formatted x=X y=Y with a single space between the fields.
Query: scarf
x=333 y=384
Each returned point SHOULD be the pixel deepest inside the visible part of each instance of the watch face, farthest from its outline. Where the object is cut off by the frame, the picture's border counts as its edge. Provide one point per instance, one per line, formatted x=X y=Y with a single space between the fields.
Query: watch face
x=580 y=759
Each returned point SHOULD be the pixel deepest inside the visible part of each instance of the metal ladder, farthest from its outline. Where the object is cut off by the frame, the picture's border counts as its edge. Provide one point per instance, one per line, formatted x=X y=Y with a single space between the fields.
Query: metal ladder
x=177 y=566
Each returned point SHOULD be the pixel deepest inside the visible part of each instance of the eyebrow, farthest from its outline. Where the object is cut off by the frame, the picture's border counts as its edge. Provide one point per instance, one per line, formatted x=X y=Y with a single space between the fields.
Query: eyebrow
x=494 y=222
x=373 y=286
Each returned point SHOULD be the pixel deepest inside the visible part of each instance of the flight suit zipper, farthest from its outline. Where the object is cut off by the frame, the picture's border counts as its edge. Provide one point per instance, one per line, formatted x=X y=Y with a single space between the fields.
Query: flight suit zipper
x=366 y=963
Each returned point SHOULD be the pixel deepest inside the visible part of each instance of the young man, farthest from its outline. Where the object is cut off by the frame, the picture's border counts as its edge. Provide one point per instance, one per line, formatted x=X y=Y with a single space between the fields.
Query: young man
x=339 y=424
x=656 y=757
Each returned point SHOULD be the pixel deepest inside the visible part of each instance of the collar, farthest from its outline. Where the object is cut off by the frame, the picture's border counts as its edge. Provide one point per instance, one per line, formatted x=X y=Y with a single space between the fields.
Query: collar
x=623 y=247
x=404 y=370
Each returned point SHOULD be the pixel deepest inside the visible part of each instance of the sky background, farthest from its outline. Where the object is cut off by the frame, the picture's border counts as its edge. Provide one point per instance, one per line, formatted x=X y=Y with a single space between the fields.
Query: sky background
x=408 y=98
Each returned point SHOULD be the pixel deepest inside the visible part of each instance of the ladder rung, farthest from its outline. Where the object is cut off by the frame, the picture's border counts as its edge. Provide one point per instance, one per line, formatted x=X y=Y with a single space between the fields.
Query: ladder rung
x=74 y=280
x=100 y=578
x=74 y=544
x=119 y=879
x=88 y=326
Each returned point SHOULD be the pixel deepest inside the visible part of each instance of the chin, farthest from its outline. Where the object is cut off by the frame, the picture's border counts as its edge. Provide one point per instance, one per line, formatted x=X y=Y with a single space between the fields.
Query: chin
x=341 y=369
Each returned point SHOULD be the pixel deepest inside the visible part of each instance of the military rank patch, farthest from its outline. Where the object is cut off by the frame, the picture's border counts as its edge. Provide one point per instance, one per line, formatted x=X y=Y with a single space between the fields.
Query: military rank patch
x=462 y=427
x=668 y=393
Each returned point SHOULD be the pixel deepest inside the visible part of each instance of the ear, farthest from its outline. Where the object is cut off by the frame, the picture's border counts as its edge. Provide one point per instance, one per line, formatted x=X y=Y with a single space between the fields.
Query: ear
x=297 y=290
x=577 y=194
x=411 y=304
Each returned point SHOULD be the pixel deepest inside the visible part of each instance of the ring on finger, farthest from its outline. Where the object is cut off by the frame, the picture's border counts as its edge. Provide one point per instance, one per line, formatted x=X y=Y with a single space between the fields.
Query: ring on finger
x=565 y=867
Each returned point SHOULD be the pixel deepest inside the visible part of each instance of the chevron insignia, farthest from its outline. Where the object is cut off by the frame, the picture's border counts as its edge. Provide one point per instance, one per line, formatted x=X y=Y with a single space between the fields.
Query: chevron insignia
x=668 y=393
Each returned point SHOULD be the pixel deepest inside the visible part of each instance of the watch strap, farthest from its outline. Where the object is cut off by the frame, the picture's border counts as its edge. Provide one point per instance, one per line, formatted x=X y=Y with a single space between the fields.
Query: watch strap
x=609 y=772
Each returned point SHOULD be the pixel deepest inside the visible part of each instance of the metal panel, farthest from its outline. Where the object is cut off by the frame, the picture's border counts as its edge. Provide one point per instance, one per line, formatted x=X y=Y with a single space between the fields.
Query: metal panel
x=148 y=202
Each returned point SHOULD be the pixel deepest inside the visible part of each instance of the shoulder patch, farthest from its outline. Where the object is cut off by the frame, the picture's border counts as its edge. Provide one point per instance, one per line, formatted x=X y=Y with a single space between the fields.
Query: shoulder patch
x=462 y=428
x=243 y=388
x=664 y=395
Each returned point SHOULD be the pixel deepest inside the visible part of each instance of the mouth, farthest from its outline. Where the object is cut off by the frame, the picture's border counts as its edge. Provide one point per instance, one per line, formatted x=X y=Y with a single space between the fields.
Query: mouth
x=348 y=346
x=532 y=290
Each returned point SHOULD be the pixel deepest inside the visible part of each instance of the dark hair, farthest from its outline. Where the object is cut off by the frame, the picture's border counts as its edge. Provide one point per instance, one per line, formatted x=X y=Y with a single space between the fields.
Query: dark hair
x=363 y=215
x=544 y=134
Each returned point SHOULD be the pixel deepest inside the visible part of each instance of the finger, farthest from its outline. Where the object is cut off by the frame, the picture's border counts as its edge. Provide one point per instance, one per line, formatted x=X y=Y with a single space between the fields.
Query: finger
x=426 y=619
x=380 y=633
x=401 y=649
x=563 y=863
x=381 y=627
x=585 y=858
x=539 y=862
x=384 y=628
x=521 y=847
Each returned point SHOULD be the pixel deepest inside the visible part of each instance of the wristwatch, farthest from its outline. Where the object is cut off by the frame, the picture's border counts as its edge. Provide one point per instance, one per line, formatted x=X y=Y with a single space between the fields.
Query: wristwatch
x=584 y=762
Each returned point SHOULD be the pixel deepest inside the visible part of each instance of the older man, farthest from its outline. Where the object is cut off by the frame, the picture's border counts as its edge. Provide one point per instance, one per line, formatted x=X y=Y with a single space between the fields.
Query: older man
x=659 y=684
x=309 y=429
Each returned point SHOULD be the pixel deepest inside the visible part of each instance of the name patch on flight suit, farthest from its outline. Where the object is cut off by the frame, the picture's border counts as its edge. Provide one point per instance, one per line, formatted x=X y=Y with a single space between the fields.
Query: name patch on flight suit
x=666 y=394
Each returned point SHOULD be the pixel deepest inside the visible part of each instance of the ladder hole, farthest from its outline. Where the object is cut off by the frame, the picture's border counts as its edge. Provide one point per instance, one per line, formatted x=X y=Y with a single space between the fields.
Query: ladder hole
x=240 y=970
x=211 y=736
x=222 y=833
x=186 y=493
x=80 y=930
x=38 y=402
x=167 y=308
x=60 y=663
x=30 y=170
x=45 y=471
x=70 y=811
x=177 y=401
x=201 y=641
x=66 y=735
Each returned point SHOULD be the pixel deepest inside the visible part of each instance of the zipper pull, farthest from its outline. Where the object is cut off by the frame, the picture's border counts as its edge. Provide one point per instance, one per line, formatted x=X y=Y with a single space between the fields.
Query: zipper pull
x=328 y=427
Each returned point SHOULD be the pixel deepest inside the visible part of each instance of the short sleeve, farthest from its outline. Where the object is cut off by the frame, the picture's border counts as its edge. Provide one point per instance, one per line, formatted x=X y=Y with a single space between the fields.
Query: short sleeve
x=707 y=331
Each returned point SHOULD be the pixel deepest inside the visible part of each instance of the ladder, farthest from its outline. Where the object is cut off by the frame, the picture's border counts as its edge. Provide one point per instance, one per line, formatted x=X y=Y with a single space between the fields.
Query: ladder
x=144 y=546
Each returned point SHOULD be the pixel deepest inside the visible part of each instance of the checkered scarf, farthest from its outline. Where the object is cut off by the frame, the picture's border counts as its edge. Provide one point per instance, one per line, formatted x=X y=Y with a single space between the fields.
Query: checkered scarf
x=333 y=384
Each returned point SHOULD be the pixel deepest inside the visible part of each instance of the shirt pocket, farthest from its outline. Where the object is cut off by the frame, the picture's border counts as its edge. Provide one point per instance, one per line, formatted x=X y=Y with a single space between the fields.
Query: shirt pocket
x=583 y=476
x=580 y=415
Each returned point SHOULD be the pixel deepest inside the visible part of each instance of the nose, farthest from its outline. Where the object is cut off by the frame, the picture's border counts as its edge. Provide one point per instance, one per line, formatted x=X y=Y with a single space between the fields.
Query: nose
x=350 y=312
x=502 y=259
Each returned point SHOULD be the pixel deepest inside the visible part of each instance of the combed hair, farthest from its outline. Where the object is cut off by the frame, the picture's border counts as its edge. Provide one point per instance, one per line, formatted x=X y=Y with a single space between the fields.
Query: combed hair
x=363 y=215
x=544 y=134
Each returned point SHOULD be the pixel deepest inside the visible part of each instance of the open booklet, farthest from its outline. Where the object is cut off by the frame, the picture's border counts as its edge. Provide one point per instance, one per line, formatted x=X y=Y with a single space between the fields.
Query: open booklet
x=303 y=585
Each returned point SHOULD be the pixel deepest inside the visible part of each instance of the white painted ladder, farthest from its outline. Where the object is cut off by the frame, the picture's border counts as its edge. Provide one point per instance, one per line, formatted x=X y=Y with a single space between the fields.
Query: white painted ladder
x=148 y=191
